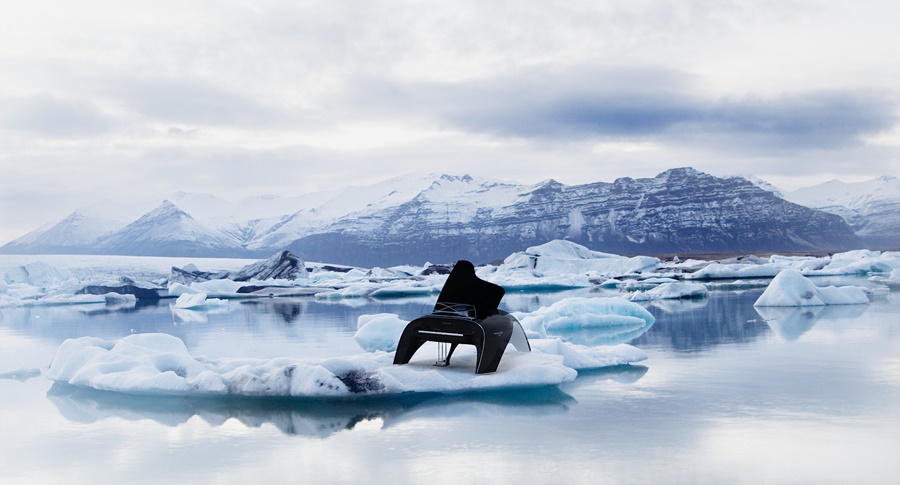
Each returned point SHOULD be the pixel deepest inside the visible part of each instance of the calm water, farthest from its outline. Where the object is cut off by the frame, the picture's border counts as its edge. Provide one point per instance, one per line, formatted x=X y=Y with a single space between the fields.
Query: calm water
x=727 y=396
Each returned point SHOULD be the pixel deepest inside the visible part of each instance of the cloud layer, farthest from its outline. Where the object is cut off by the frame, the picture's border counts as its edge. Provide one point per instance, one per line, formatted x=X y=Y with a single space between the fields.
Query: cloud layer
x=289 y=97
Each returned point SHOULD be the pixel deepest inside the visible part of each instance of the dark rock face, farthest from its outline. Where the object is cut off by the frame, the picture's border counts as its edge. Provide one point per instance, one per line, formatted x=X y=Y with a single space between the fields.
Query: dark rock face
x=283 y=265
x=145 y=294
x=680 y=210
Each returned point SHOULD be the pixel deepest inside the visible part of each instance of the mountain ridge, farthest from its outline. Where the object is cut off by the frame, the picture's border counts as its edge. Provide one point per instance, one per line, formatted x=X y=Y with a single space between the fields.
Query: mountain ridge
x=419 y=218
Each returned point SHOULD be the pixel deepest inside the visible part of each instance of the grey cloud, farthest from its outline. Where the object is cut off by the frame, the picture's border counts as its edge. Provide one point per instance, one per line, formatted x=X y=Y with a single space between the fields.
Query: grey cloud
x=192 y=101
x=53 y=116
x=661 y=105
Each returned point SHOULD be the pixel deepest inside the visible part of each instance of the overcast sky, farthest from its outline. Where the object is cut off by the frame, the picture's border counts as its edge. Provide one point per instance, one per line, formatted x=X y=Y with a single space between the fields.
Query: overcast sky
x=141 y=99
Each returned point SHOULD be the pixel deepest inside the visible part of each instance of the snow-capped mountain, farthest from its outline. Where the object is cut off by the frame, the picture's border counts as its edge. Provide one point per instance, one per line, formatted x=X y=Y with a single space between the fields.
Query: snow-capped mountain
x=871 y=208
x=442 y=218
x=168 y=230
x=680 y=210
x=79 y=232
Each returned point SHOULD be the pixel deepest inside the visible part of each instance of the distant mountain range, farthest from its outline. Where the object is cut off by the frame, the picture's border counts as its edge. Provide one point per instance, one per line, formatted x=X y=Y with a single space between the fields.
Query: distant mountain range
x=872 y=208
x=442 y=218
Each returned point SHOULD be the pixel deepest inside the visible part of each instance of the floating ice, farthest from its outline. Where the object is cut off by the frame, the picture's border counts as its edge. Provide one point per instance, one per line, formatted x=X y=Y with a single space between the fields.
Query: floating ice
x=673 y=290
x=160 y=364
x=198 y=301
x=736 y=270
x=580 y=357
x=38 y=273
x=861 y=261
x=405 y=289
x=353 y=291
x=892 y=280
x=585 y=313
x=562 y=264
x=118 y=299
x=379 y=332
x=790 y=288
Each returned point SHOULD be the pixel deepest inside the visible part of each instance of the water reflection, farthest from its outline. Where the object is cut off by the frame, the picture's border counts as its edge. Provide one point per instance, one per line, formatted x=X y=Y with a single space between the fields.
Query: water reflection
x=692 y=325
x=678 y=305
x=304 y=417
x=21 y=375
x=601 y=336
x=790 y=323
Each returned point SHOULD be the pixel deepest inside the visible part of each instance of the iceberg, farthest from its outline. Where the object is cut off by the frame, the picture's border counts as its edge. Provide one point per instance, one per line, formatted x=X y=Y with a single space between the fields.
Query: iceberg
x=160 y=364
x=670 y=291
x=379 y=332
x=790 y=288
x=577 y=313
x=892 y=281
x=198 y=301
x=562 y=264
x=281 y=266
x=38 y=274
x=860 y=261
x=735 y=271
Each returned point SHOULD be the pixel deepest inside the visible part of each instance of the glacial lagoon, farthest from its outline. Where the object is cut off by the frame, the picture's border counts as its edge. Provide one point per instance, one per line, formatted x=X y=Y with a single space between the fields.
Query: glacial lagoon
x=729 y=394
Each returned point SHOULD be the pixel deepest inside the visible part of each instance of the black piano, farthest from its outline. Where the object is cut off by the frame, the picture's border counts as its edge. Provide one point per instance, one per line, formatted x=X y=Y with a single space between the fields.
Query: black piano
x=466 y=312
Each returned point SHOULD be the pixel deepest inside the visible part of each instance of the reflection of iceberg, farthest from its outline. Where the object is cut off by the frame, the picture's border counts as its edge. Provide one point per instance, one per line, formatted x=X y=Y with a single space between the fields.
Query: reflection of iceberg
x=602 y=335
x=671 y=291
x=622 y=374
x=679 y=306
x=600 y=316
x=182 y=316
x=790 y=323
x=21 y=375
x=160 y=364
x=306 y=417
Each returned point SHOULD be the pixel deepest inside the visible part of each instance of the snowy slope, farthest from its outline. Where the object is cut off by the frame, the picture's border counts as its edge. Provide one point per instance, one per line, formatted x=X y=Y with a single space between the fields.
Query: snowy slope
x=442 y=218
x=168 y=230
x=872 y=208
x=325 y=208
x=78 y=231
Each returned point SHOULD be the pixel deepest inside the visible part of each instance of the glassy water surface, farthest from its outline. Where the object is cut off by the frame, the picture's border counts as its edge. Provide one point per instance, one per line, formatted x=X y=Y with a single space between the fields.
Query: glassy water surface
x=730 y=394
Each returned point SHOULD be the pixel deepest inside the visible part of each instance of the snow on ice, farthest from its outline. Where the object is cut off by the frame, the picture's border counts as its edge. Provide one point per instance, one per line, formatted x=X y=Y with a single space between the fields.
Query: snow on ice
x=198 y=301
x=160 y=364
x=790 y=288
x=553 y=266
x=379 y=332
x=671 y=290
x=562 y=264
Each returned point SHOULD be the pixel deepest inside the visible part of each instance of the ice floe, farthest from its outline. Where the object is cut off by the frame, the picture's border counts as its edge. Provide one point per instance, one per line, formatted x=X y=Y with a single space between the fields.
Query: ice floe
x=160 y=364
x=736 y=270
x=379 y=332
x=198 y=301
x=554 y=266
x=578 y=313
x=671 y=290
x=562 y=264
x=790 y=288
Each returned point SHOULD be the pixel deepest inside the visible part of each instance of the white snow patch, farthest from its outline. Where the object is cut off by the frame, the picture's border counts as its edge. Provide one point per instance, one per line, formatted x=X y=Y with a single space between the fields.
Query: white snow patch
x=790 y=288
x=160 y=364
x=379 y=332
x=672 y=290
x=198 y=301
x=578 y=313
